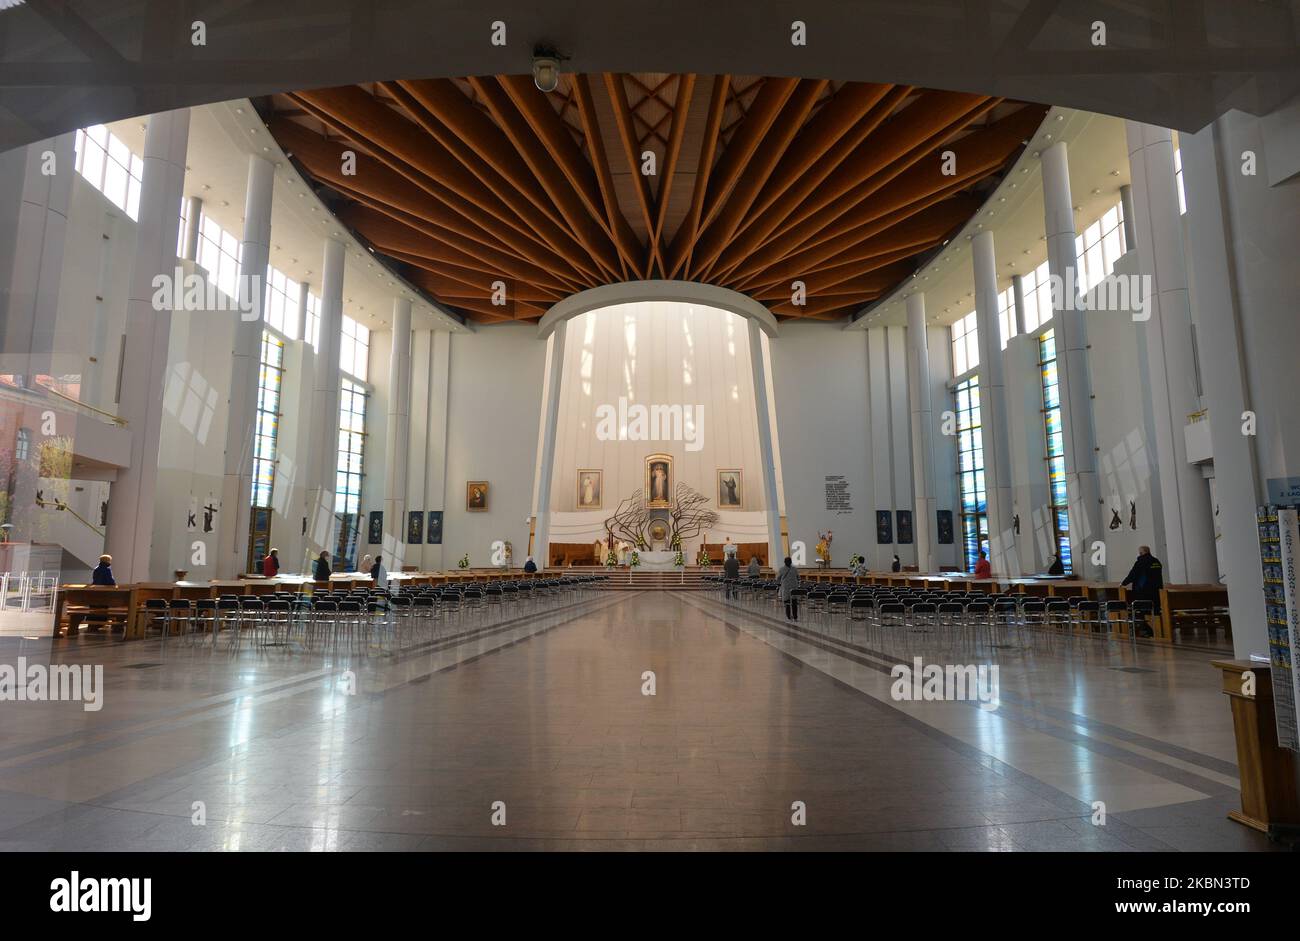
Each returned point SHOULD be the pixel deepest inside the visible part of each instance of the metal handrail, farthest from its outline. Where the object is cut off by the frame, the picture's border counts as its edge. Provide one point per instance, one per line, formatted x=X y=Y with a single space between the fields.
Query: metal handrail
x=59 y=505
x=120 y=422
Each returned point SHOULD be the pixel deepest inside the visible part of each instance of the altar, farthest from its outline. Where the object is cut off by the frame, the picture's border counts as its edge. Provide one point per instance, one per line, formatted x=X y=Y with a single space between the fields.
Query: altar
x=662 y=560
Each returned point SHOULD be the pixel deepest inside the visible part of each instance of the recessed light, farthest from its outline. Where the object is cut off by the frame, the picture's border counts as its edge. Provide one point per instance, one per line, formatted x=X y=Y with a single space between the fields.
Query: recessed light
x=1060 y=117
x=1096 y=192
x=1038 y=153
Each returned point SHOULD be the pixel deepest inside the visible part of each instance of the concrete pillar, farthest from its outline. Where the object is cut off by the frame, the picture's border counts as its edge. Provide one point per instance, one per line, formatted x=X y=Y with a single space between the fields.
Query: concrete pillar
x=132 y=502
x=925 y=523
x=237 y=486
x=35 y=192
x=302 y=313
x=1082 y=487
x=766 y=450
x=323 y=454
x=546 y=457
x=1171 y=358
x=193 y=216
x=880 y=432
x=398 y=437
x=1126 y=208
x=1241 y=235
x=1018 y=292
x=435 y=454
x=1003 y=556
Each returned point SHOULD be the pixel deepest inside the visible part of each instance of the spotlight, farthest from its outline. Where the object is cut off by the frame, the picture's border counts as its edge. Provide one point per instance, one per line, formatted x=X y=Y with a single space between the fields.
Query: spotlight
x=546 y=68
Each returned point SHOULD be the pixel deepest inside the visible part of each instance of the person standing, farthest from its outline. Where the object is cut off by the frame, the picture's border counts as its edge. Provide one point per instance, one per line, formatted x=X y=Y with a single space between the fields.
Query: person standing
x=787 y=581
x=271 y=564
x=730 y=573
x=378 y=573
x=1057 y=567
x=1147 y=578
x=320 y=570
x=754 y=567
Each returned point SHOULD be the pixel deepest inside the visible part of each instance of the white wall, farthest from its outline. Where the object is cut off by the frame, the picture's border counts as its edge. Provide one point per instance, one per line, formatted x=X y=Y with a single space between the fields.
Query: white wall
x=667 y=354
x=820 y=377
x=495 y=378
x=944 y=447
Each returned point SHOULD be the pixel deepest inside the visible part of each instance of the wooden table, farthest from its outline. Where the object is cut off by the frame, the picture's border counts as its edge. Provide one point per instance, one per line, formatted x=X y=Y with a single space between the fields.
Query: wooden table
x=77 y=602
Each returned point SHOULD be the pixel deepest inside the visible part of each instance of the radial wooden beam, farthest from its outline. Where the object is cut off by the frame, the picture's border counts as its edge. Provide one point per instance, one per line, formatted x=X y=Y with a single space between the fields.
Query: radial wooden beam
x=756 y=172
x=676 y=134
x=679 y=251
x=596 y=149
x=542 y=164
x=627 y=136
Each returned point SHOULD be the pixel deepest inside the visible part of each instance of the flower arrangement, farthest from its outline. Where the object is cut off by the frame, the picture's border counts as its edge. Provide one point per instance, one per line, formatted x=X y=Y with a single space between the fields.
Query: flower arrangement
x=679 y=560
x=464 y=561
x=635 y=560
x=611 y=560
x=702 y=560
x=853 y=562
x=676 y=544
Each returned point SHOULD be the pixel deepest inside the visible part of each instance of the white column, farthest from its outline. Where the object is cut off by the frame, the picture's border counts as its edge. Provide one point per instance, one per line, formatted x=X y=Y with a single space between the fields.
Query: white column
x=35 y=192
x=1210 y=172
x=1018 y=291
x=1003 y=556
x=237 y=487
x=324 y=451
x=546 y=458
x=1171 y=358
x=771 y=501
x=302 y=312
x=193 y=215
x=925 y=522
x=1126 y=208
x=1072 y=365
x=131 y=502
x=880 y=428
x=435 y=479
x=398 y=437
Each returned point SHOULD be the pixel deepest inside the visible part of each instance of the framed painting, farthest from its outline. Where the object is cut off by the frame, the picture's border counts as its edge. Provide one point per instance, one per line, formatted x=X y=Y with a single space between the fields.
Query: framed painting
x=731 y=489
x=884 y=527
x=659 y=481
x=476 y=496
x=433 y=533
x=589 y=490
x=375 y=535
x=904 y=527
x=415 y=527
x=945 y=527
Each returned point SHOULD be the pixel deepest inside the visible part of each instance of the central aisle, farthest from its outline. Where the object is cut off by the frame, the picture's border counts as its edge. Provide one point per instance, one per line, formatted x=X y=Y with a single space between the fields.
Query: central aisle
x=549 y=728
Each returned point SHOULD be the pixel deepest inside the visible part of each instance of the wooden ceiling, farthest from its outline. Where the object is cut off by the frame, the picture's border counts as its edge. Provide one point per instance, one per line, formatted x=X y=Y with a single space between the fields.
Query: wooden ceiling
x=756 y=182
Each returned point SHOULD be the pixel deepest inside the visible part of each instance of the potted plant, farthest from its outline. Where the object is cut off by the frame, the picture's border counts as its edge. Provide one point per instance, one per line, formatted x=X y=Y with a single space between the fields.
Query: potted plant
x=611 y=560
x=632 y=563
x=464 y=561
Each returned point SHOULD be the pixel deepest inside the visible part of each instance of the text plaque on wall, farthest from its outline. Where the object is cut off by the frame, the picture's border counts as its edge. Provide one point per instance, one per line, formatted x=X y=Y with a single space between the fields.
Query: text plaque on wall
x=838 y=499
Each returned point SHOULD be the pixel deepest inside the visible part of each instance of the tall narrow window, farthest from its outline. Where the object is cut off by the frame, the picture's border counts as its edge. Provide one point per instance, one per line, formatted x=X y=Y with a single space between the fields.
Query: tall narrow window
x=354 y=349
x=1007 y=314
x=281 y=304
x=109 y=165
x=1178 y=178
x=1055 y=451
x=312 y=334
x=265 y=443
x=350 y=474
x=965 y=345
x=970 y=472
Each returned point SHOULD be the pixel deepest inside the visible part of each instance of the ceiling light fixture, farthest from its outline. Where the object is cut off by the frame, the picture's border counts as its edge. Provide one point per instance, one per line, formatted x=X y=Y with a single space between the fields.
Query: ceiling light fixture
x=546 y=67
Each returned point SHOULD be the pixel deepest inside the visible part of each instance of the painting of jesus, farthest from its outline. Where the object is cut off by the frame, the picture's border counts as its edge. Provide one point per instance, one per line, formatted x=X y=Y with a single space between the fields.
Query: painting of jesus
x=658 y=480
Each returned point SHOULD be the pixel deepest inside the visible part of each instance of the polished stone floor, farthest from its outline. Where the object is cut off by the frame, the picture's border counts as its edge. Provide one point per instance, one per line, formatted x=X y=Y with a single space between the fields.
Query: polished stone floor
x=538 y=733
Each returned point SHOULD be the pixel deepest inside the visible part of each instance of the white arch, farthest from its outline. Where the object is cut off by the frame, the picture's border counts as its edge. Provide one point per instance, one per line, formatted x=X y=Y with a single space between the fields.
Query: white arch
x=629 y=292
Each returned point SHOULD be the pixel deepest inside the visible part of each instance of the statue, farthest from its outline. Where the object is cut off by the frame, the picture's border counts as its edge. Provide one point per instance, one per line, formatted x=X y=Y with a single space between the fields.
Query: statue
x=824 y=548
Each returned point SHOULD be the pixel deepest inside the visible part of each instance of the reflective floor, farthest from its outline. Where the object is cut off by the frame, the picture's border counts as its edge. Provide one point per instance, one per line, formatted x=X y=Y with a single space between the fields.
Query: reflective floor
x=638 y=720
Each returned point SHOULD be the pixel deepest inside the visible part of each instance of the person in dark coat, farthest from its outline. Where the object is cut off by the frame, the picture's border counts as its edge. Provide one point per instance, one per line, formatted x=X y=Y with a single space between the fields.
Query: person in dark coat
x=103 y=572
x=320 y=571
x=530 y=566
x=731 y=572
x=1057 y=567
x=787 y=580
x=898 y=564
x=1147 y=578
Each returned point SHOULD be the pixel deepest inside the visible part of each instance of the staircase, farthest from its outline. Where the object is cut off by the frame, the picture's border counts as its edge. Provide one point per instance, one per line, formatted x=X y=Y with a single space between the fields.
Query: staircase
x=691 y=579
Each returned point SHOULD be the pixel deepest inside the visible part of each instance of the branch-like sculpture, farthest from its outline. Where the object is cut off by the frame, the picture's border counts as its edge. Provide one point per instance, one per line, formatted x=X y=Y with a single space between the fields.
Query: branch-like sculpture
x=630 y=520
x=689 y=514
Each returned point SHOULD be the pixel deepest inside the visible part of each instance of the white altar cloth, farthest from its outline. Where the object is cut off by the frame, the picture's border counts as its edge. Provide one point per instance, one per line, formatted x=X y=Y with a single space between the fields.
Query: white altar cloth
x=657 y=561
